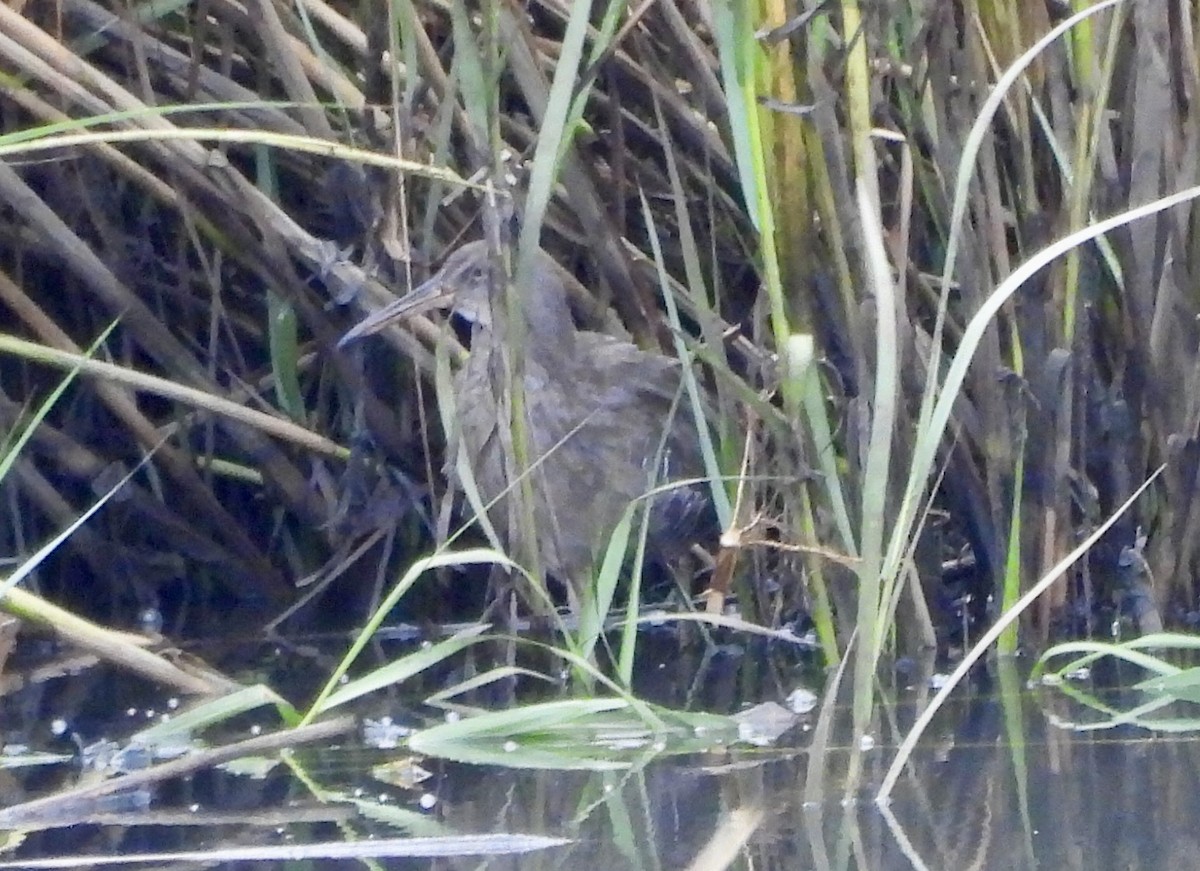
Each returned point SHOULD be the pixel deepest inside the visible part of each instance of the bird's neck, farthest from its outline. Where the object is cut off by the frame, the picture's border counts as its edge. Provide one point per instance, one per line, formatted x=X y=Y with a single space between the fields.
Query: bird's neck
x=548 y=332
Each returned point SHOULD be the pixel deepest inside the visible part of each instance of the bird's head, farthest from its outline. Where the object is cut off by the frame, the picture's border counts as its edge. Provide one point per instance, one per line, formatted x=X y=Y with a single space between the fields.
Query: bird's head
x=472 y=283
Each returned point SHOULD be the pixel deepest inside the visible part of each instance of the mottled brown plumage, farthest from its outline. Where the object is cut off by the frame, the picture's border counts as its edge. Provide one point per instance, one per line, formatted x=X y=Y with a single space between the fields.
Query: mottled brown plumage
x=596 y=412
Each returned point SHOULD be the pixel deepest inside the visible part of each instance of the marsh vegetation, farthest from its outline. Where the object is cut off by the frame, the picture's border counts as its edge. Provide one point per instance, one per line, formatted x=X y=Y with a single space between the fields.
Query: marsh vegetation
x=925 y=270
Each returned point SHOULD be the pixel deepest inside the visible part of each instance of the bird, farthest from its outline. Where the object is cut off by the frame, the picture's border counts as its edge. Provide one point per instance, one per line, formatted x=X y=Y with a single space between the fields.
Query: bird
x=606 y=422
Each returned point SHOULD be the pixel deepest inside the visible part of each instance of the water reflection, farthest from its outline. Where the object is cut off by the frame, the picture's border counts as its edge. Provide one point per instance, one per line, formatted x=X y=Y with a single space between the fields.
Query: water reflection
x=996 y=785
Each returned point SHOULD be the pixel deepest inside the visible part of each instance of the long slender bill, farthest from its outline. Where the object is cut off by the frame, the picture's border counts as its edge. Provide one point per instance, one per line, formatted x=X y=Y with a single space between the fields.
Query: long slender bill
x=434 y=293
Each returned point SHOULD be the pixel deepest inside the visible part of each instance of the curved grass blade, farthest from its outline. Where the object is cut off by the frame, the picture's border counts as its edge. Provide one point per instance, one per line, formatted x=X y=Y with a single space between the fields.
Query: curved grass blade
x=973 y=656
x=402 y=669
x=410 y=577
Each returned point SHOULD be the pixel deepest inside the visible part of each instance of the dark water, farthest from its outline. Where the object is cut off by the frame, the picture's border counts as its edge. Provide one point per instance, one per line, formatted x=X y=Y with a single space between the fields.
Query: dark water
x=999 y=782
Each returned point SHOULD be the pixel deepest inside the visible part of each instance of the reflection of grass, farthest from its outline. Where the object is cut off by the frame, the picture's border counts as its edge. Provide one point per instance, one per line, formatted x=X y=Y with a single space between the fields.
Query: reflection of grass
x=591 y=734
x=563 y=730
x=1168 y=683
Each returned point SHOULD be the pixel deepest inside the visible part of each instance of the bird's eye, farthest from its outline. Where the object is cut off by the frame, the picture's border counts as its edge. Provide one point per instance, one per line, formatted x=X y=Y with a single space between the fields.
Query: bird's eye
x=478 y=274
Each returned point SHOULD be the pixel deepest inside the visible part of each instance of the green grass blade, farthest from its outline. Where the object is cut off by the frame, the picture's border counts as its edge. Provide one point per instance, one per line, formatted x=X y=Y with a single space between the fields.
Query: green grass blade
x=218 y=710
x=410 y=577
x=404 y=668
x=981 y=646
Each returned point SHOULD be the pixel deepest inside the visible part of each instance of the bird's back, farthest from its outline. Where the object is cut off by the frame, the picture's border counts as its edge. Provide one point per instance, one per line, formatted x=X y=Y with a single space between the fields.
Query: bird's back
x=596 y=426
